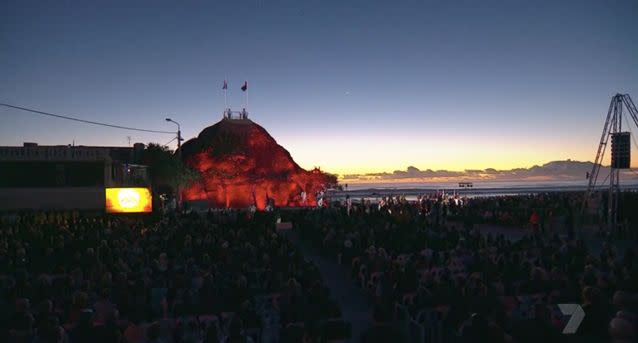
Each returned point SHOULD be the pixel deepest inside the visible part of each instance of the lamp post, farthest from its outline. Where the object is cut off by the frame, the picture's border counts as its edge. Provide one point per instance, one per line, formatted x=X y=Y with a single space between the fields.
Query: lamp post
x=179 y=137
x=179 y=155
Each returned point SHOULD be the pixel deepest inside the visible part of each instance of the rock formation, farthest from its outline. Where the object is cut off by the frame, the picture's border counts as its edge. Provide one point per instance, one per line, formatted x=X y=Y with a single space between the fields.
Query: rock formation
x=241 y=165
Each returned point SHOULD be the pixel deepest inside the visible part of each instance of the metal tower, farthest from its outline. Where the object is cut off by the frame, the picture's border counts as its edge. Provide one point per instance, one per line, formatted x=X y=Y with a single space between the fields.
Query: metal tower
x=620 y=153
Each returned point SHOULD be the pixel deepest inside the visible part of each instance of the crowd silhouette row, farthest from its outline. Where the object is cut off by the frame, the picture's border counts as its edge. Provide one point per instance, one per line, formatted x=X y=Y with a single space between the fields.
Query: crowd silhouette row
x=435 y=277
x=431 y=273
x=222 y=277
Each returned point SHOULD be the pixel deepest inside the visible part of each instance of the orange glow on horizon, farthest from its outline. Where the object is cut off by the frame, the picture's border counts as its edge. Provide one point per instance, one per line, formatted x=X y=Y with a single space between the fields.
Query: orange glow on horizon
x=343 y=154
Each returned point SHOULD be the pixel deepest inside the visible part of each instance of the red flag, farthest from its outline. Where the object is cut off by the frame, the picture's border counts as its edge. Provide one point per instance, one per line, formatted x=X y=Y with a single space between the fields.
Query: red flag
x=245 y=86
x=225 y=86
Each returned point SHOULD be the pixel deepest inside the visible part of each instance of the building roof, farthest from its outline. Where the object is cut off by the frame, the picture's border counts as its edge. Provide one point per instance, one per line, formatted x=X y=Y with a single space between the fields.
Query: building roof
x=35 y=152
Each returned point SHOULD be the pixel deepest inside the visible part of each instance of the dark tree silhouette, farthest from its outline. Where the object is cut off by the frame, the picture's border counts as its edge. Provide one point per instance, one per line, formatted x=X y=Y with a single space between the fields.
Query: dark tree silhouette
x=166 y=170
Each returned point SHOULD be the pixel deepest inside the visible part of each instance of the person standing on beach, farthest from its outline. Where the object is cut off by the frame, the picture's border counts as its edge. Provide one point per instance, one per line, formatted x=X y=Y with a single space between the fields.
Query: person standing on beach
x=533 y=221
x=569 y=221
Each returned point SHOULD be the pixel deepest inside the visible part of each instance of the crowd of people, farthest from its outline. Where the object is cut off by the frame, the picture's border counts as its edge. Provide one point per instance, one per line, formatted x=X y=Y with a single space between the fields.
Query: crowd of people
x=221 y=277
x=435 y=277
x=544 y=212
x=232 y=276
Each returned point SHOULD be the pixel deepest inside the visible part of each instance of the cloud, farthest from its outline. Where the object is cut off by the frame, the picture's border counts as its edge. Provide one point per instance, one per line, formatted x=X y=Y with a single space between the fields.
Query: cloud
x=555 y=170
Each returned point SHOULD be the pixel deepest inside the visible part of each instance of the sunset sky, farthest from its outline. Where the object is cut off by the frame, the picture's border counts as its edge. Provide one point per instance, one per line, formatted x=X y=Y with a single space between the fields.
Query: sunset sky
x=351 y=86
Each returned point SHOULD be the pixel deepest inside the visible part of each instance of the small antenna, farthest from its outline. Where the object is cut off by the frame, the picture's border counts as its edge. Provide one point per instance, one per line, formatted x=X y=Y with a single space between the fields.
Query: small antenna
x=129 y=140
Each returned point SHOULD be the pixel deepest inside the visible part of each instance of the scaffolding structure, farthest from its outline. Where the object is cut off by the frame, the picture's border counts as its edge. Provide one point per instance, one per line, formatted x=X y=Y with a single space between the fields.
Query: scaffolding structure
x=620 y=153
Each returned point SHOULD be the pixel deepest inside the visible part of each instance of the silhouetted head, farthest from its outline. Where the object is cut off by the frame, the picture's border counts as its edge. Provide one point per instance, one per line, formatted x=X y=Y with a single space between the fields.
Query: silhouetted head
x=235 y=326
x=380 y=314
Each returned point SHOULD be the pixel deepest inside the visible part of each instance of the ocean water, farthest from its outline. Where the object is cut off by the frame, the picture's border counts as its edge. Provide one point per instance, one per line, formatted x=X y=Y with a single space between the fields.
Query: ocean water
x=480 y=188
x=479 y=184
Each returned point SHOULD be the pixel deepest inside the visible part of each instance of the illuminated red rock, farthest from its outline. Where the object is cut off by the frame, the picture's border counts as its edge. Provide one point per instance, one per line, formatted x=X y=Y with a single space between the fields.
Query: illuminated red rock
x=241 y=165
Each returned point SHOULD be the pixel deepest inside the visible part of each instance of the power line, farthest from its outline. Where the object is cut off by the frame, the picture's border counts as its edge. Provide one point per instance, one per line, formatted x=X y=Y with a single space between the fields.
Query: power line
x=84 y=121
x=169 y=142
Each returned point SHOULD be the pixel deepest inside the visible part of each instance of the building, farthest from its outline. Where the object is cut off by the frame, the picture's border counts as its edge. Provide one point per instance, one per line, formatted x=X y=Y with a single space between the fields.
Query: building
x=63 y=177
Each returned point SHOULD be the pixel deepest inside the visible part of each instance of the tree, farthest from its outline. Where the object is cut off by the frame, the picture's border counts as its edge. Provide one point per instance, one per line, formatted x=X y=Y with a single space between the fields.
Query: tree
x=166 y=170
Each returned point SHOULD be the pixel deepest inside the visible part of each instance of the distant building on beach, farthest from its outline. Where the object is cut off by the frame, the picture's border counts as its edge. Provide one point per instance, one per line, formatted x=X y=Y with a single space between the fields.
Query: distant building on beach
x=466 y=185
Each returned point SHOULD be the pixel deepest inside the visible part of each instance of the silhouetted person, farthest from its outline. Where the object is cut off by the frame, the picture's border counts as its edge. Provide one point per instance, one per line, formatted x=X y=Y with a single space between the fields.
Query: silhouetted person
x=49 y=331
x=539 y=329
x=382 y=329
x=83 y=330
x=153 y=334
x=235 y=332
x=212 y=334
x=477 y=331
x=569 y=221
x=594 y=327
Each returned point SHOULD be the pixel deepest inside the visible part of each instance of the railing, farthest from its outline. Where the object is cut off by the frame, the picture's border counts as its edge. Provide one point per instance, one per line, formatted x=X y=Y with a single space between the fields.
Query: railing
x=236 y=115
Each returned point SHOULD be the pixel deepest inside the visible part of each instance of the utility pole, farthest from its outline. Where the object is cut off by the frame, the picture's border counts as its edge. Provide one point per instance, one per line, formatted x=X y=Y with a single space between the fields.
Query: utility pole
x=179 y=137
x=179 y=155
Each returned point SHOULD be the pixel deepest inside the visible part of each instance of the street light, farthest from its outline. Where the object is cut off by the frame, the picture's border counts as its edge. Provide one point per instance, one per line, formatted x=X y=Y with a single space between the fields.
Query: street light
x=179 y=136
x=179 y=155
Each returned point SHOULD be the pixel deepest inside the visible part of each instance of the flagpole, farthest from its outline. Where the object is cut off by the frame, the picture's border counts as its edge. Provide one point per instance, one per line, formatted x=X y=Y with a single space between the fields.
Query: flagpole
x=225 y=89
x=245 y=94
x=244 y=89
x=225 y=92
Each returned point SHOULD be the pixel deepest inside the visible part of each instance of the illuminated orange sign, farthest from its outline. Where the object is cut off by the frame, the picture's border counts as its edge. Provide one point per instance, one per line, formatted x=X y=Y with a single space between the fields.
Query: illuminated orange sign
x=128 y=200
